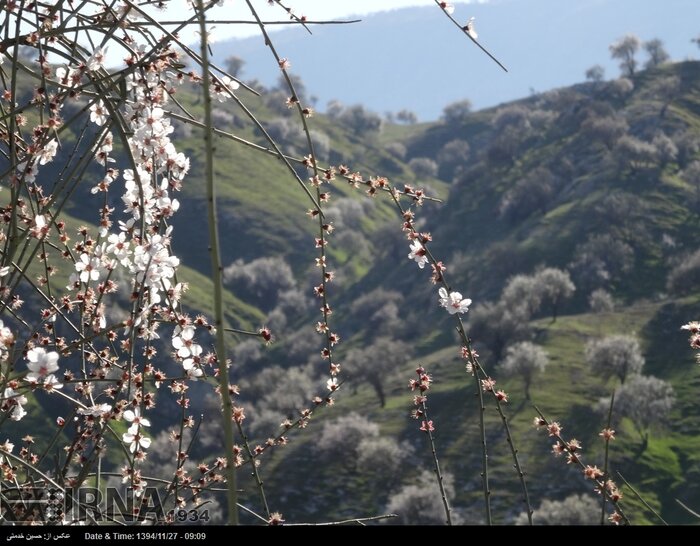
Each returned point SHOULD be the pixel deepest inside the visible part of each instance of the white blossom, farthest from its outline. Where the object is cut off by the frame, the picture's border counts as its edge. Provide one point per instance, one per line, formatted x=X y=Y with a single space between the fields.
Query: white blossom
x=98 y=113
x=134 y=416
x=418 y=253
x=88 y=268
x=97 y=59
x=48 y=152
x=98 y=410
x=453 y=302
x=134 y=438
x=41 y=364
x=12 y=402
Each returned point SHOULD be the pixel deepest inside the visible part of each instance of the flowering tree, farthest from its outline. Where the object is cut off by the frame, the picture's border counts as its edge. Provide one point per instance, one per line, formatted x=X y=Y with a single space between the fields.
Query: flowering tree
x=646 y=400
x=615 y=356
x=624 y=50
x=573 y=510
x=524 y=359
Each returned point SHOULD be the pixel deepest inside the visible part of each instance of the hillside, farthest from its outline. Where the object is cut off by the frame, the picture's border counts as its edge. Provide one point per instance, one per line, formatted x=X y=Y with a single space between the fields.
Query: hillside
x=566 y=179
x=599 y=180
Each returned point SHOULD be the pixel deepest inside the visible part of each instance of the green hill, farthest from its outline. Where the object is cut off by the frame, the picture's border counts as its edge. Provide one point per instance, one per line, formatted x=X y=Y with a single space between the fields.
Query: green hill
x=600 y=180
x=580 y=178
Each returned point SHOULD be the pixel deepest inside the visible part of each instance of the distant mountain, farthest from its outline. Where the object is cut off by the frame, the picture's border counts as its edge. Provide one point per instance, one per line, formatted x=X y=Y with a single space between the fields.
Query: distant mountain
x=420 y=62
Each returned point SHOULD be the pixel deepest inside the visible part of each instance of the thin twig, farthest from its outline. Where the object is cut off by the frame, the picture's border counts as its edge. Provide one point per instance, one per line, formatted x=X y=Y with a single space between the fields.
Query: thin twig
x=254 y=470
x=436 y=462
x=478 y=395
x=645 y=503
x=607 y=457
x=687 y=509
x=246 y=22
x=577 y=459
x=359 y=521
x=217 y=275
x=466 y=33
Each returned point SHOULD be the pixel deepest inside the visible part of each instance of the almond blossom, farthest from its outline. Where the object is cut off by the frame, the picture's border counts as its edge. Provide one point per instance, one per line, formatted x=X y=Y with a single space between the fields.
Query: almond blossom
x=449 y=8
x=134 y=416
x=453 y=302
x=98 y=410
x=135 y=439
x=88 y=268
x=48 y=152
x=7 y=338
x=12 y=403
x=41 y=364
x=184 y=344
x=97 y=59
x=418 y=253
x=98 y=113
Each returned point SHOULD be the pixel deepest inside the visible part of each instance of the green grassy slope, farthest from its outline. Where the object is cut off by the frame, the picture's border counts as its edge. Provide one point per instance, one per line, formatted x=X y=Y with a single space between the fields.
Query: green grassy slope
x=307 y=487
x=263 y=214
x=595 y=194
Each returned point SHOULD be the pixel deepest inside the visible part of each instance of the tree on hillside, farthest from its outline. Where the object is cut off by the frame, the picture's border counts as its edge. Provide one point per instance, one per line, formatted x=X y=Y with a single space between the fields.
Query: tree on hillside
x=691 y=174
x=383 y=460
x=360 y=120
x=260 y=281
x=620 y=208
x=407 y=117
x=645 y=400
x=542 y=119
x=666 y=90
x=606 y=130
x=524 y=359
x=334 y=109
x=666 y=149
x=555 y=286
x=451 y=157
x=522 y=291
x=423 y=167
x=624 y=50
x=457 y=112
x=573 y=510
x=340 y=438
x=504 y=146
x=513 y=115
x=688 y=144
x=376 y=363
x=529 y=194
x=657 y=53
x=601 y=301
x=596 y=73
x=615 y=356
x=621 y=87
x=379 y=312
x=234 y=65
x=420 y=502
x=496 y=325
x=601 y=260
x=685 y=276
x=635 y=153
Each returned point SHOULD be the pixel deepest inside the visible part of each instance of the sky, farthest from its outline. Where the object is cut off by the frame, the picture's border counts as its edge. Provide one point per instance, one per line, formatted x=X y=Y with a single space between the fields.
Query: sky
x=313 y=9
x=545 y=44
